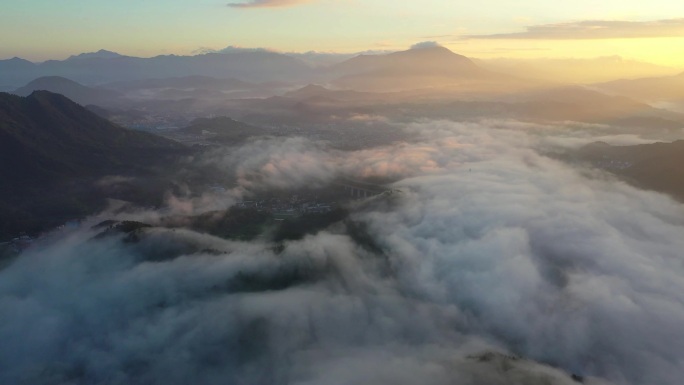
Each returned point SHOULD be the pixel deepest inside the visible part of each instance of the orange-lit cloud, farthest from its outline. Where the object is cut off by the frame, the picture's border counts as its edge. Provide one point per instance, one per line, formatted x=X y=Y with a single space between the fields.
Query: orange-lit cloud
x=596 y=29
x=267 y=3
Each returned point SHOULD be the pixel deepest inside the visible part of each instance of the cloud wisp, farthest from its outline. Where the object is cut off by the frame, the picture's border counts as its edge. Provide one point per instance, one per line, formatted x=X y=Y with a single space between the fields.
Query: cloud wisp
x=595 y=29
x=268 y=3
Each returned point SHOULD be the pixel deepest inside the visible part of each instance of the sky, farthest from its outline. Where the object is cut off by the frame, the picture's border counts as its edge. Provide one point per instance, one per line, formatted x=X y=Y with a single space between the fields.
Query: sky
x=47 y=29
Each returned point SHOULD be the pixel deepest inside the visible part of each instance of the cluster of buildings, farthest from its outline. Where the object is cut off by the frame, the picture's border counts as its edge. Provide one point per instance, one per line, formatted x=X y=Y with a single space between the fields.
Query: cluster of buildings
x=152 y=122
x=613 y=164
x=18 y=244
x=23 y=242
x=293 y=206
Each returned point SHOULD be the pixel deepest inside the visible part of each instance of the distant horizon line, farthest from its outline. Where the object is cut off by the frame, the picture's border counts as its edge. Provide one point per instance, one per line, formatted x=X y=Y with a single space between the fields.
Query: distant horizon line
x=237 y=49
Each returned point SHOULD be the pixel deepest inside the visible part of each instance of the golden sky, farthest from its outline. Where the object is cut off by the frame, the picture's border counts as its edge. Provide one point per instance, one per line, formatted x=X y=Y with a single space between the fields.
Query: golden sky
x=650 y=31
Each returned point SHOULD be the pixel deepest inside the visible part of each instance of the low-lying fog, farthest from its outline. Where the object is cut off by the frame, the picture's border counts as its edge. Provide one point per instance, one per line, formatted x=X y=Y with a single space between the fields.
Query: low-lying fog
x=488 y=260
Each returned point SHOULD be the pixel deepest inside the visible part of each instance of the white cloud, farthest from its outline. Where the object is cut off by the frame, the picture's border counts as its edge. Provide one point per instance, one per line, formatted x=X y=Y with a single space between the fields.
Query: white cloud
x=490 y=247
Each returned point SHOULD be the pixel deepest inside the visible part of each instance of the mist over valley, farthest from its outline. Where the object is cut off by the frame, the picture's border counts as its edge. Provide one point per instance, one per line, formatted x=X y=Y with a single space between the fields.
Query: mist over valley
x=414 y=216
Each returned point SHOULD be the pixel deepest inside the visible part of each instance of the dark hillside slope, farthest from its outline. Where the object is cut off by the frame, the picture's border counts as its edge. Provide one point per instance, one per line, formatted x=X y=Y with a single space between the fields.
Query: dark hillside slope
x=656 y=166
x=52 y=151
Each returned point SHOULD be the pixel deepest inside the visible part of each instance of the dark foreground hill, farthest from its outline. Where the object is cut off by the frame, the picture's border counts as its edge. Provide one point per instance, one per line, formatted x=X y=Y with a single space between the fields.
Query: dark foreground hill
x=53 y=154
x=656 y=166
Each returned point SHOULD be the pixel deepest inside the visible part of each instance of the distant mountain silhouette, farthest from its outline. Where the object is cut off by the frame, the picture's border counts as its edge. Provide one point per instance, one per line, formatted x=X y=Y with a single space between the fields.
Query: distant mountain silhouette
x=587 y=105
x=16 y=64
x=317 y=103
x=101 y=54
x=15 y=72
x=412 y=69
x=666 y=88
x=52 y=150
x=571 y=103
x=106 y=67
x=431 y=60
x=71 y=89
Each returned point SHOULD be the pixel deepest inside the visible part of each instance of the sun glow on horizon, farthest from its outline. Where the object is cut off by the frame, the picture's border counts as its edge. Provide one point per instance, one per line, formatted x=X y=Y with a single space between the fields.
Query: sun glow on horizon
x=657 y=51
x=40 y=30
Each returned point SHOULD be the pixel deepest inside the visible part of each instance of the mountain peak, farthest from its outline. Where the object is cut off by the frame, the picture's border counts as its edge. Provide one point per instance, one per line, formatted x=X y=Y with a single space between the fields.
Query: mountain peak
x=101 y=54
x=51 y=80
x=429 y=48
x=15 y=64
x=17 y=59
x=430 y=55
x=313 y=87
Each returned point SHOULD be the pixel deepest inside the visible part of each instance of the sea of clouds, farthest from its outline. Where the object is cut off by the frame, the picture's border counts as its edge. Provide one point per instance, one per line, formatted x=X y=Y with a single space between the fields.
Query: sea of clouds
x=489 y=263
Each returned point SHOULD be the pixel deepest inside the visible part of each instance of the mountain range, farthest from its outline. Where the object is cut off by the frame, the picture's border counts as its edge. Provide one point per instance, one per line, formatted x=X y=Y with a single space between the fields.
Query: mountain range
x=456 y=87
x=107 y=67
x=424 y=66
x=418 y=67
